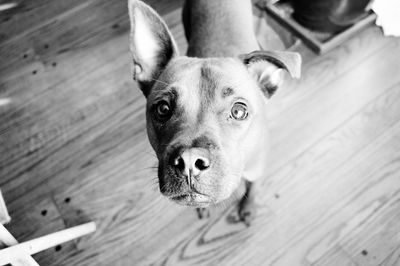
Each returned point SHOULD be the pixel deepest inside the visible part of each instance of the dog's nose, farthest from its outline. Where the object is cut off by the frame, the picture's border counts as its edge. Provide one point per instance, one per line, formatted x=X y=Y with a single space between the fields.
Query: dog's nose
x=191 y=162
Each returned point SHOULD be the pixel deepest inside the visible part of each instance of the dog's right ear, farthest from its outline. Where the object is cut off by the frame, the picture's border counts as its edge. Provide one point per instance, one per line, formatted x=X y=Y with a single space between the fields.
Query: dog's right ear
x=151 y=44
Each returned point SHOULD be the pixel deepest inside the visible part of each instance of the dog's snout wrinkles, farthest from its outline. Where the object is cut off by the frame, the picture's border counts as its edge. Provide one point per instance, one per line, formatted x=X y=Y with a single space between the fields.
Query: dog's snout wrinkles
x=191 y=162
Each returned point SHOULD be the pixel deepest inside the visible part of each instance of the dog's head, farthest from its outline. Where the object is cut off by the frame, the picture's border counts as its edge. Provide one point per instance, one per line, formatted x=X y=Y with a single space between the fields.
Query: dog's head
x=203 y=115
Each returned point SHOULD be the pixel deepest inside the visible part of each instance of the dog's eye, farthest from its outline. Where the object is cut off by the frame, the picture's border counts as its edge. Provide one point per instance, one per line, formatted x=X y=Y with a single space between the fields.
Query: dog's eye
x=162 y=110
x=239 y=111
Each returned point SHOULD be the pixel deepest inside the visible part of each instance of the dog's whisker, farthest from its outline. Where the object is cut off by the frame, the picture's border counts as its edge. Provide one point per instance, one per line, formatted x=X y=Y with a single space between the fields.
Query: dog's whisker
x=149 y=180
x=155 y=184
x=162 y=82
x=149 y=153
x=152 y=168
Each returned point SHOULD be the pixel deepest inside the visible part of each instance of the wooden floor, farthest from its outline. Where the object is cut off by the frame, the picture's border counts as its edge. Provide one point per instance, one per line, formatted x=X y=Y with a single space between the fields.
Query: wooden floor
x=73 y=148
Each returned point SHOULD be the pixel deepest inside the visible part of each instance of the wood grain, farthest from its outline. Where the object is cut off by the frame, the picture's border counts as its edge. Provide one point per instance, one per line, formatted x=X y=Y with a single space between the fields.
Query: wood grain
x=73 y=148
x=393 y=259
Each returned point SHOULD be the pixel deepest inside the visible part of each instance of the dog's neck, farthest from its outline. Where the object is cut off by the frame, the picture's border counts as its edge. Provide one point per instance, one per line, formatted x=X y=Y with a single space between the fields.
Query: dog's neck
x=219 y=28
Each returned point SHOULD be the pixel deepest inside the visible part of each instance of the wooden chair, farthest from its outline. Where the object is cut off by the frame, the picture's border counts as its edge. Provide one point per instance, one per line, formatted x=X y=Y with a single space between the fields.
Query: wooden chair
x=19 y=254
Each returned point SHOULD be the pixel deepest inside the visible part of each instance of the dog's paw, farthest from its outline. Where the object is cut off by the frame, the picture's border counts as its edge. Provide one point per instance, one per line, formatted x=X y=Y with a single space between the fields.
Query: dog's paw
x=247 y=210
x=203 y=212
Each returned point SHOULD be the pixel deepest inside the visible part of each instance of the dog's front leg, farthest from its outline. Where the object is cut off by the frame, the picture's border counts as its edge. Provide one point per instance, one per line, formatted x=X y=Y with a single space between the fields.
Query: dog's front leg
x=247 y=205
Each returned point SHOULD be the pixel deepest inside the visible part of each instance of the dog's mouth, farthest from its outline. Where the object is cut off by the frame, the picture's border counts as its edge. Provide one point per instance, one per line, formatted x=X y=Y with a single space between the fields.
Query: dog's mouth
x=192 y=199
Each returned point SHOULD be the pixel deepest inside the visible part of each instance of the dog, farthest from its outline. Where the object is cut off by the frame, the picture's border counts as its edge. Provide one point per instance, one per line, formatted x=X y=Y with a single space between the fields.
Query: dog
x=205 y=111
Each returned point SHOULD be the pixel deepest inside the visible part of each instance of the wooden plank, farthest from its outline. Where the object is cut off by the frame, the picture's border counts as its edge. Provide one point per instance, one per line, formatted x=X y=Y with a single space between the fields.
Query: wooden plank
x=378 y=235
x=319 y=71
x=36 y=219
x=30 y=14
x=375 y=240
x=341 y=97
x=53 y=136
x=335 y=256
x=334 y=150
x=343 y=142
x=81 y=28
x=393 y=259
x=75 y=31
x=35 y=215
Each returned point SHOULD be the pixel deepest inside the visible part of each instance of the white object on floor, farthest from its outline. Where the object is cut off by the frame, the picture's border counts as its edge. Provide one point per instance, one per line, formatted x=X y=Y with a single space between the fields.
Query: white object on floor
x=4 y=217
x=19 y=254
x=7 y=239
x=7 y=6
x=388 y=12
x=12 y=253
x=23 y=260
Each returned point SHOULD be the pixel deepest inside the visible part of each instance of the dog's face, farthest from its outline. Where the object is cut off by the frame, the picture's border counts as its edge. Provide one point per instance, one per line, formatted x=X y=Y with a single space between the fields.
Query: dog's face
x=198 y=117
x=203 y=115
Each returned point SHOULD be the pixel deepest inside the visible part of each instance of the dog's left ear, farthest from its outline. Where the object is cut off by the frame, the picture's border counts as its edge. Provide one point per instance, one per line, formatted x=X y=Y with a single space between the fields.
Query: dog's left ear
x=267 y=68
x=151 y=43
